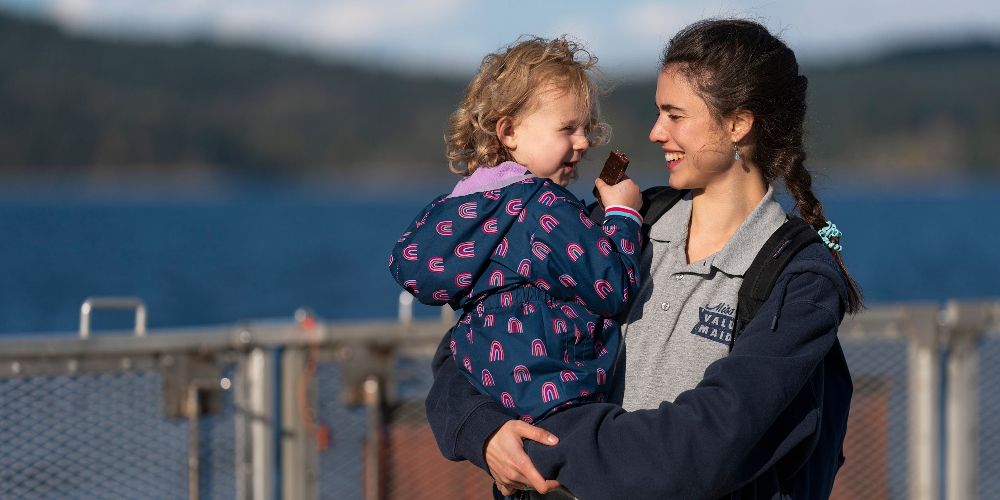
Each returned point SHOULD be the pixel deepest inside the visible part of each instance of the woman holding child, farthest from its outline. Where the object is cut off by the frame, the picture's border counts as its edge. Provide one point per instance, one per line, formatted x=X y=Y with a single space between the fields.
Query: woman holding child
x=700 y=413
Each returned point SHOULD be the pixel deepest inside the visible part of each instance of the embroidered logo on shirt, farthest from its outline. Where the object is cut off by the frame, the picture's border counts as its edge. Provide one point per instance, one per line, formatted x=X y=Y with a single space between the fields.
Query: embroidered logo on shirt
x=716 y=322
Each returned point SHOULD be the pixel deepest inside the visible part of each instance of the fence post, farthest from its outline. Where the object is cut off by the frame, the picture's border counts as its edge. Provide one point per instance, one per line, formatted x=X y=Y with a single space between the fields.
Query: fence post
x=964 y=324
x=299 y=452
x=258 y=418
x=374 y=402
x=924 y=369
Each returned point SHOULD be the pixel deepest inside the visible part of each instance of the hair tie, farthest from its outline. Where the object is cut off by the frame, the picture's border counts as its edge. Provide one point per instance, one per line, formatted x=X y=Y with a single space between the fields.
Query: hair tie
x=831 y=236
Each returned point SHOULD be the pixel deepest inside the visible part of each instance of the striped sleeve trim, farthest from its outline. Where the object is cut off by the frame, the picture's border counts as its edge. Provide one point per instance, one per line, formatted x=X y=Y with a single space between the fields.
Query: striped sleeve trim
x=622 y=211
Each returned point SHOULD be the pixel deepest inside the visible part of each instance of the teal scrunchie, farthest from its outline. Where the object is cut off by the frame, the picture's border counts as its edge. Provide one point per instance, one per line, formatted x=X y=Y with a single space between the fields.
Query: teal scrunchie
x=831 y=236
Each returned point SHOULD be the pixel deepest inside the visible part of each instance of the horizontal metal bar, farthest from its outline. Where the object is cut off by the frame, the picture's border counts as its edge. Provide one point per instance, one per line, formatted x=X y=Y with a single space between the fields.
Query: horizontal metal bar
x=241 y=337
x=38 y=353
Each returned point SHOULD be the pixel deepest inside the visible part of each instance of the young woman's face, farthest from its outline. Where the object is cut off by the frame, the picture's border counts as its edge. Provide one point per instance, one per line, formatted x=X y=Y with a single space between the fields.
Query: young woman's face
x=551 y=138
x=695 y=145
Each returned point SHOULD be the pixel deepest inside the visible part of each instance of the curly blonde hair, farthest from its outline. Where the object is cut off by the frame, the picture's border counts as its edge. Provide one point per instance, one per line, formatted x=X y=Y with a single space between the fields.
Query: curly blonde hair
x=507 y=84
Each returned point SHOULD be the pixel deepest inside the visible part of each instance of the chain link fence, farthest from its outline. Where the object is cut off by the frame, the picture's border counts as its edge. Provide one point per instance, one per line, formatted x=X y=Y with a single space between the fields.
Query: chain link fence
x=336 y=412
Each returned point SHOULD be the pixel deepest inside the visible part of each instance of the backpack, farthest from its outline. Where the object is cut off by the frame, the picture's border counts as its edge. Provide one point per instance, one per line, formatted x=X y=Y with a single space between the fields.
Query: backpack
x=792 y=236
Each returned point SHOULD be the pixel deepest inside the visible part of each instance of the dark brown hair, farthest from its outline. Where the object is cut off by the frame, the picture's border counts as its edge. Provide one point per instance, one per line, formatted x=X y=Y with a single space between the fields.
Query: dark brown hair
x=736 y=64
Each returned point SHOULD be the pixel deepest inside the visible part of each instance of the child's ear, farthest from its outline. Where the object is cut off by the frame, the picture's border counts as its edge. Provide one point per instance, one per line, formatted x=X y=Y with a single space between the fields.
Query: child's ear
x=505 y=132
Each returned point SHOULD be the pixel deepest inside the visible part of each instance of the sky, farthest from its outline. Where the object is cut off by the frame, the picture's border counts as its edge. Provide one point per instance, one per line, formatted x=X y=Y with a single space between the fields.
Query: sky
x=453 y=35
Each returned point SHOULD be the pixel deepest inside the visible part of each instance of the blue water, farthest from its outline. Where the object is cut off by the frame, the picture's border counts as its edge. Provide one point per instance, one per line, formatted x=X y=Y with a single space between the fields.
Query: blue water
x=262 y=253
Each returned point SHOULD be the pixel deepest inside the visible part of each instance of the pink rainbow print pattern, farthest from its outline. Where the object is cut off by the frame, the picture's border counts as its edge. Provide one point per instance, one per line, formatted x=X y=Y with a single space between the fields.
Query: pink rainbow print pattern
x=514 y=326
x=513 y=206
x=490 y=226
x=463 y=280
x=586 y=220
x=538 y=348
x=574 y=251
x=501 y=249
x=468 y=210
x=528 y=308
x=465 y=250
x=496 y=278
x=469 y=337
x=542 y=284
x=391 y=260
x=603 y=288
x=521 y=374
x=548 y=222
x=506 y=299
x=524 y=268
x=567 y=376
x=567 y=281
x=528 y=419
x=541 y=250
x=604 y=246
x=410 y=252
x=549 y=392
x=488 y=379
x=506 y=400
x=488 y=320
x=467 y=363
x=628 y=247
x=454 y=347
x=610 y=230
x=602 y=376
x=496 y=351
x=568 y=311
x=493 y=194
x=559 y=326
x=441 y=295
x=443 y=228
x=435 y=265
x=548 y=198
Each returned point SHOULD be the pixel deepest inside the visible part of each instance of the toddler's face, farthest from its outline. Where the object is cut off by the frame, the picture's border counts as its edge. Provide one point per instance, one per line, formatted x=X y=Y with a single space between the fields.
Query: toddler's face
x=552 y=137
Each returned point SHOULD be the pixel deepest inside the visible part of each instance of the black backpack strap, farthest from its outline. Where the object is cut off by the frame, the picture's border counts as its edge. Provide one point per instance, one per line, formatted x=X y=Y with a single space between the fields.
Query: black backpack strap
x=655 y=202
x=794 y=235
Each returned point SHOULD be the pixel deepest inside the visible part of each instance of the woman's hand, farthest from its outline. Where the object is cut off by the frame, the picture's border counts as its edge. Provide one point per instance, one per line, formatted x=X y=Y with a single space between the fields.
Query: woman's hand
x=509 y=465
x=625 y=193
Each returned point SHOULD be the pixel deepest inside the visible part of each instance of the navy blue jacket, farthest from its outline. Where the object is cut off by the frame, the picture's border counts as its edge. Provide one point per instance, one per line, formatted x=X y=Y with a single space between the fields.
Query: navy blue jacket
x=537 y=281
x=766 y=422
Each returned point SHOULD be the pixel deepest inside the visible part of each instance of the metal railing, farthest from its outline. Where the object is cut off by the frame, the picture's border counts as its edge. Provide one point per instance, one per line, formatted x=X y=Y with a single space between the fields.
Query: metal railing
x=311 y=409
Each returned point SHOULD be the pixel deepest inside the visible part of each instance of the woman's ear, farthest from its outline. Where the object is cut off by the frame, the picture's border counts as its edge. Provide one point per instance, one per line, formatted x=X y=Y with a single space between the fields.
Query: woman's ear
x=740 y=125
x=505 y=132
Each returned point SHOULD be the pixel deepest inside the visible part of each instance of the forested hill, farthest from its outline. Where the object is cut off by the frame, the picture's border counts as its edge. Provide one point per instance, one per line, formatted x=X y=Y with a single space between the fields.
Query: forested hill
x=98 y=106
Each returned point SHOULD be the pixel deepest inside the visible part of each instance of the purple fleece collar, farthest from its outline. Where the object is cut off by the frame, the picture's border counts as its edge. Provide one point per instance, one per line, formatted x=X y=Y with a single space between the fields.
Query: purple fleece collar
x=488 y=178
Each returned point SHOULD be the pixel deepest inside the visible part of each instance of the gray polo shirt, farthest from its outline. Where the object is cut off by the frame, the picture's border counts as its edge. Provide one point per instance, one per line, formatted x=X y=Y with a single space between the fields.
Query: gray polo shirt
x=683 y=318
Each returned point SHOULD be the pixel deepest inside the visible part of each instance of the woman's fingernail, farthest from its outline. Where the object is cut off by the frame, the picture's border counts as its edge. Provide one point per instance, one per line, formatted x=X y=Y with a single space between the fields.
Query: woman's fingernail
x=552 y=439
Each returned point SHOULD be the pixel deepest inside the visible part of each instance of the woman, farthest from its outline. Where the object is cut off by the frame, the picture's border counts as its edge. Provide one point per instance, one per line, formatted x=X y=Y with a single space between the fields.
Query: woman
x=764 y=419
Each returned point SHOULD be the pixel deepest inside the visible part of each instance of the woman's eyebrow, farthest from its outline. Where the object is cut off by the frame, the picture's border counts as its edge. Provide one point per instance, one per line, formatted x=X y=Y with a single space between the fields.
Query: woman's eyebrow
x=670 y=107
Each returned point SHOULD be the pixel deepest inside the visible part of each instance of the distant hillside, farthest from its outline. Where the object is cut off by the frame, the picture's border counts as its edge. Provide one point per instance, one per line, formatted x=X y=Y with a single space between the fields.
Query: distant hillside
x=96 y=106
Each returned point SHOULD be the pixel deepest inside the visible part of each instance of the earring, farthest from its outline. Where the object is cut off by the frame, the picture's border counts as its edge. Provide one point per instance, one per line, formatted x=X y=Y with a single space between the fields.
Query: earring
x=736 y=156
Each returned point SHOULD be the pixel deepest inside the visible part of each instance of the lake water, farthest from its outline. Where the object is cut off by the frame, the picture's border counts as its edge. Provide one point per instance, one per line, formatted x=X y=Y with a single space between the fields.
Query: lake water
x=262 y=252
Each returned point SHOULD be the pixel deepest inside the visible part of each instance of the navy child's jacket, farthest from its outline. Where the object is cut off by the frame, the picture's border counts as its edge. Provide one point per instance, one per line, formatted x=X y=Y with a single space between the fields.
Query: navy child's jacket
x=537 y=282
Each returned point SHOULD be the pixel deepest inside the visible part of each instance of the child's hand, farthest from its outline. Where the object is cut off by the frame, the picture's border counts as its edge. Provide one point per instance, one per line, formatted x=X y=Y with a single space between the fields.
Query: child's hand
x=625 y=193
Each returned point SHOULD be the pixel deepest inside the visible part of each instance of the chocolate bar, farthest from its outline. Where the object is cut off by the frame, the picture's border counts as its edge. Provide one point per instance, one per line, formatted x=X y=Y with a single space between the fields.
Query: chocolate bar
x=613 y=171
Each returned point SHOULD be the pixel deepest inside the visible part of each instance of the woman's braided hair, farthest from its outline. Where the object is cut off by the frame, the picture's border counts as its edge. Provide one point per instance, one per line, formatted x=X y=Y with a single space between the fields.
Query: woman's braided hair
x=736 y=64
